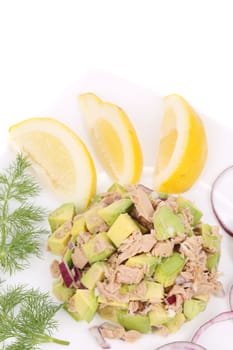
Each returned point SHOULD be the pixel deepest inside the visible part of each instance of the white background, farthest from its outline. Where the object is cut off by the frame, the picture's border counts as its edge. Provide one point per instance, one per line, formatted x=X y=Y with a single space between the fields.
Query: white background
x=170 y=46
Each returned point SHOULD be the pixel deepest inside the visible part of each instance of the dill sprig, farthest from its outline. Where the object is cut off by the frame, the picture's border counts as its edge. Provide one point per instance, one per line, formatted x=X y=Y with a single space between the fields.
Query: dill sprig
x=20 y=217
x=27 y=318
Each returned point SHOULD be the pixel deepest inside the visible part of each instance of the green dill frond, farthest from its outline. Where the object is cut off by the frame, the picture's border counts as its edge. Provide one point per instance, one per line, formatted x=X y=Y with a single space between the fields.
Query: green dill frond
x=26 y=318
x=20 y=217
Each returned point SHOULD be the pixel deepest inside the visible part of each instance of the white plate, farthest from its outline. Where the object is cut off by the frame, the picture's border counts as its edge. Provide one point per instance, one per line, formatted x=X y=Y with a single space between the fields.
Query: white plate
x=144 y=108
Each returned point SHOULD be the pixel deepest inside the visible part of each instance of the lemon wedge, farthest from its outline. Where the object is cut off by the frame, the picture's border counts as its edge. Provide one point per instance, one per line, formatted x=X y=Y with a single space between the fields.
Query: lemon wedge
x=182 y=149
x=58 y=156
x=113 y=138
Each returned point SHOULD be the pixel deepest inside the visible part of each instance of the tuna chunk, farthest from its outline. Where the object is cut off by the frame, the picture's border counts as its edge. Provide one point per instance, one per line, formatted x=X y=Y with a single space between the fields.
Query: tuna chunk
x=135 y=244
x=128 y=274
x=142 y=203
x=79 y=258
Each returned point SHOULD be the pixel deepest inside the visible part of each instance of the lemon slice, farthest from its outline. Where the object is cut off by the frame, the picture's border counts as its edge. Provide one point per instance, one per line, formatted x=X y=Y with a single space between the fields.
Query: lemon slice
x=182 y=149
x=58 y=156
x=113 y=138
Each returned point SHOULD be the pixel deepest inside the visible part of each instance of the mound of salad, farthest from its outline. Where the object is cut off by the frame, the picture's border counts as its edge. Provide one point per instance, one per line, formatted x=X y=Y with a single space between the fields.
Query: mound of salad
x=144 y=261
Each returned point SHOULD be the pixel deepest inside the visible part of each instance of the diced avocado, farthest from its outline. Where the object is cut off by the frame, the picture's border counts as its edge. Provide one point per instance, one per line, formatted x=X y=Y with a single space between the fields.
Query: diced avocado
x=137 y=322
x=96 y=199
x=108 y=313
x=74 y=315
x=167 y=224
x=112 y=211
x=142 y=260
x=121 y=229
x=167 y=271
x=114 y=303
x=93 y=219
x=58 y=240
x=67 y=255
x=60 y=291
x=175 y=322
x=184 y=203
x=163 y=195
x=158 y=316
x=60 y=215
x=85 y=304
x=210 y=241
x=98 y=248
x=115 y=187
x=79 y=225
x=192 y=308
x=94 y=274
x=154 y=291
x=203 y=297
x=212 y=261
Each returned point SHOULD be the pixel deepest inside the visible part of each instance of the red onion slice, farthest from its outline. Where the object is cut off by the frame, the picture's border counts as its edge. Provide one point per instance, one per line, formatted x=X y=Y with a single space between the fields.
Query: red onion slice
x=66 y=274
x=231 y=297
x=224 y=316
x=221 y=198
x=181 y=345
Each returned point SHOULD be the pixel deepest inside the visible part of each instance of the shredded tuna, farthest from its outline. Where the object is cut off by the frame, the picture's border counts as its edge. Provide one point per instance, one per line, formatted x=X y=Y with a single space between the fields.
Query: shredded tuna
x=170 y=202
x=181 y=295
x=101 y=245
x=129 y=274
x=131 y=336
x=79 y=258
x=61 y=232
x=135 y=244
x=110 y=197
x=142 y=203
x=54 y=269
x=163 y=248
x=135 y=306
x=139 y=291
x=111 y=331
x=83 y=238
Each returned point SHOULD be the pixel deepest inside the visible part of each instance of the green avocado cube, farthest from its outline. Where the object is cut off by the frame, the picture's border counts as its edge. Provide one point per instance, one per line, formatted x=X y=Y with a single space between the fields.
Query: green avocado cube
x=142 y=260
x=111 y=212
x=118 y=304
x=60 y=291
x=58 y=240
x=167 y=271
x=137 y=322
x=167 y=224
x=99 y=247
x=158 y=316
x=210 y=241
x=175 y=322
x=115 y=187
x=79 y=225
x=74 y=315
x=193 y=307
x=85 y=304
x=154 y=291
x=123 y=227
x=94 y=274
x=93 y=220
x=68 y=253
x=212 y=261
x=184 y=203
x=109 y=313
x=60 y=215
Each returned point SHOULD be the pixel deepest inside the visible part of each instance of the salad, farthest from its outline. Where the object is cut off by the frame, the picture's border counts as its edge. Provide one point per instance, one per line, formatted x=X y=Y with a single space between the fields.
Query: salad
x=142 y=260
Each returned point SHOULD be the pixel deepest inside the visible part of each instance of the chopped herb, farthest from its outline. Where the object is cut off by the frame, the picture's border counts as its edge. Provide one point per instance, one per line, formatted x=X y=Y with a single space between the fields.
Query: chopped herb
x=27 y=319
x=20 y=217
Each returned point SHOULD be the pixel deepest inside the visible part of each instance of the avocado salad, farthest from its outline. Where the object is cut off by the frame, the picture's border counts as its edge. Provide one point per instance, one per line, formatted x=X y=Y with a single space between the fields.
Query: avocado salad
x=144 y=261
